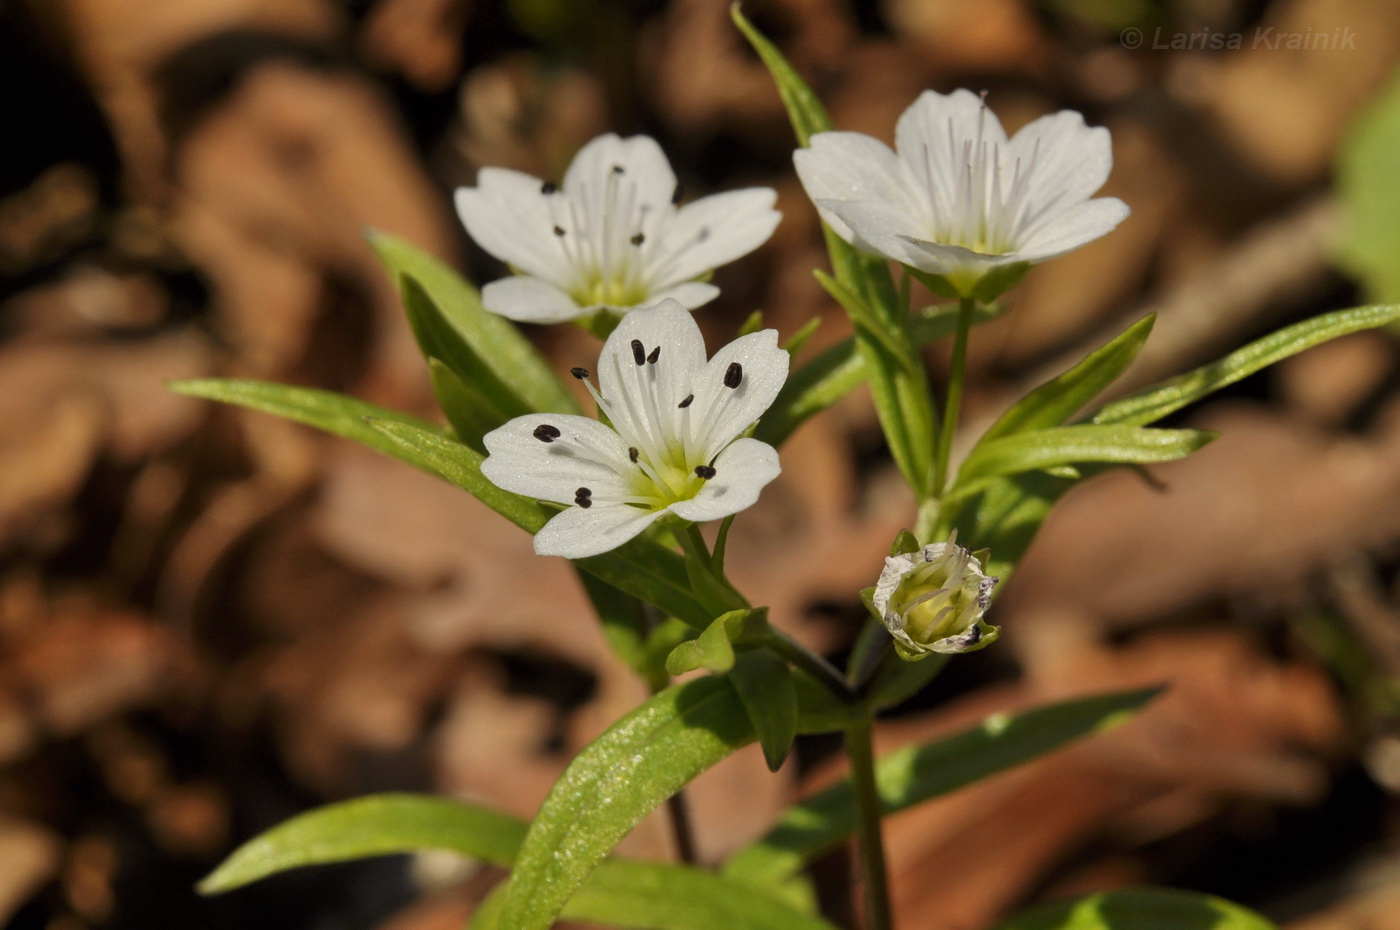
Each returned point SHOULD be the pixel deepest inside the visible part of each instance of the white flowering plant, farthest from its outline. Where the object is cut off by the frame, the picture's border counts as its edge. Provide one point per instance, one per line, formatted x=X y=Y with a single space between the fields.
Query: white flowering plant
x=681 y=436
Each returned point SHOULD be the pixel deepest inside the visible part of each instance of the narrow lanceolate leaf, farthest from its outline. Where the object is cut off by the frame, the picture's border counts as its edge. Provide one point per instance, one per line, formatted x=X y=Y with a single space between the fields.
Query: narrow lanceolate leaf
x=493 y=339
x=376 y=825
x=1057 y=400
x=470 y=412
x=663 y=896
x=442 y=343
x=647 y=895
x=918 y=773
x=1153 y=403
x=1067 y=445
x=765 y=686
x=839 y=370
x=326 y=410
x=612 y=784
x=640 y=567
x=1139 y=909
x=806 y=112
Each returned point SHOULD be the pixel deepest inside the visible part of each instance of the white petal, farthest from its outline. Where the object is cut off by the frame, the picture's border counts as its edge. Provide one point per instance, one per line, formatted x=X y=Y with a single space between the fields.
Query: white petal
x=712 y=231
x=529 y=300
x=937 y=258
x=690 y=295
x=1071 y=160
x=741 y=471
x=577 y=533
x=641 y=160
x=850 y=166
x=554 y=471
x=931 y=134
x=882 y=228
x=720 y=413
x=509 y=217
x=1072 y=228
x=628 y=387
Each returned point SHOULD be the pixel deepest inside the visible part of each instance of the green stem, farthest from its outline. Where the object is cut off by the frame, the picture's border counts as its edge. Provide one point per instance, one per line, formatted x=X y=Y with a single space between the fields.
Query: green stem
x=870 y=841
x=955 y=389
x=814 y=665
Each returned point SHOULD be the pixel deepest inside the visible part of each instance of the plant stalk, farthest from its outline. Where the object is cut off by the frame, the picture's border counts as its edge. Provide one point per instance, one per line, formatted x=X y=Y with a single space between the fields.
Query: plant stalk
x=870 y=840
x=955 y=391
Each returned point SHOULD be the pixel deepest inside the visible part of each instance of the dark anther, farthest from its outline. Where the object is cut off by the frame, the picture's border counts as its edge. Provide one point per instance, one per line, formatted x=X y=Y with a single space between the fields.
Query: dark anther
x=546 y=433
x=579 y=373
x=559 y=230
x=655 y=354
x=583 y=492
x=548 y=187
x=676 y=195
x=733 y=375
x=618 y=170
x=632 y=454
x=686 y=403
x=639 y=352
x=638 y=239
x=705 y=471
x=584 y=498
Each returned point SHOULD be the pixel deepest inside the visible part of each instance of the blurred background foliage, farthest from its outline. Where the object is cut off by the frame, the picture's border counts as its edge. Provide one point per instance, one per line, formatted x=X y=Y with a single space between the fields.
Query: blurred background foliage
x=210 y=619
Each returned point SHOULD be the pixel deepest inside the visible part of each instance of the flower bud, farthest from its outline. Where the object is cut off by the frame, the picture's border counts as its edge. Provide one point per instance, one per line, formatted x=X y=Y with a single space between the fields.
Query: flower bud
x=933 y=599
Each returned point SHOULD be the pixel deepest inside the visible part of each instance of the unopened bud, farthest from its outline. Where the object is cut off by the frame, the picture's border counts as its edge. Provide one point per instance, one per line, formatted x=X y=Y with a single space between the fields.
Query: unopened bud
x=932 y=600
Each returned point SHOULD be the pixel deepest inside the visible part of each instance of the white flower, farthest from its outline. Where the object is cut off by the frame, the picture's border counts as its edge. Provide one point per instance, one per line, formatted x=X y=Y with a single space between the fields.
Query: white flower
x=612 y=236
x=933 y=600
x=960 y=199
x=673 y=446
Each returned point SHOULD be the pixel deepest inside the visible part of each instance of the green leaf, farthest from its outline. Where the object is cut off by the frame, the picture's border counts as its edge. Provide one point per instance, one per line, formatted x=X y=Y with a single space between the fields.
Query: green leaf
x=625 y=625
x=806 y=112
x=799 y=339
x=470 y=412
x=612 y=784
x=1139 y=909
x=711 y=650
x=440 y=341
x=1058 y=399
x=915 y=774
x=641 y=567
x=1366 y=168
x=376 y=825
x=335 y=413
x=493 y=340
x=1065 y=445
x=898 y=679
x=673 y=897
x=1153 y=403
x=839 y=370
x=663 y=896
x=1006 y=515
x=765 y=686
x=904 y=543
x=752 y=324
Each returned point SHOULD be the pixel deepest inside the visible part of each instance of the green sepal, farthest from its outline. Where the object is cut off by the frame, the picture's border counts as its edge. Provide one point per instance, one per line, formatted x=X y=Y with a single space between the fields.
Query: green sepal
x=905 y=543
x=765 y=686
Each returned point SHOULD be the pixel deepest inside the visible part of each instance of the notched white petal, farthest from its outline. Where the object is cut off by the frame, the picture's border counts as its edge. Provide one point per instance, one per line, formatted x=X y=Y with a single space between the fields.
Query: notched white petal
x=741 y=472
x=577 y=533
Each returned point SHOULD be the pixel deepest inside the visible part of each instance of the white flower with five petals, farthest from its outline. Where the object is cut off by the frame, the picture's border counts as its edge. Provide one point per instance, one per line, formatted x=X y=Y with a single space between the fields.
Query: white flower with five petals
x=675 y=443
x=958 y=198
x=612 y=236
